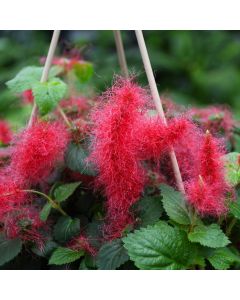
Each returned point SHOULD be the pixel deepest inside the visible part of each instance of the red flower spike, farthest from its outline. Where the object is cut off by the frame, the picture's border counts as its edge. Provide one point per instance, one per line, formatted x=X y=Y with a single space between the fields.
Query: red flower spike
x=38 y=149
x=82 y=243
x=5 y=133
x=207 y=192
x=27 y=97
x=11 y=195
x=211 y=164
x=115 y=151
x=24 y=223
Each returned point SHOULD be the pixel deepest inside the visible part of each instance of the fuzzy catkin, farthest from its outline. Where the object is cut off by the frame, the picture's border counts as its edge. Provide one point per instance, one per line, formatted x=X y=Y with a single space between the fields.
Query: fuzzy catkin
x=37 y=150
x=115 y=152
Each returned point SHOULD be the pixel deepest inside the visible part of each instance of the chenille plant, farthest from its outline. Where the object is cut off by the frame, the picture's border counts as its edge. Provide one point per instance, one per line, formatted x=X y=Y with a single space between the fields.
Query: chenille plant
x=89 y=183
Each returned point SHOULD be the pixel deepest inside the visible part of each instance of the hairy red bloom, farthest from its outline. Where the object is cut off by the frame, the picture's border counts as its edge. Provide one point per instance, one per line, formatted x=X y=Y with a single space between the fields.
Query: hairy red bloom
x=11 y=195
x=207 y=198
x=75 y=107
x=25 y=224
x=82 y=243
x=5 y=132
x=207 y=191
x=216 y=119
x=38 y=149
x=115 y=151
x=211 y=164
x=27 y=97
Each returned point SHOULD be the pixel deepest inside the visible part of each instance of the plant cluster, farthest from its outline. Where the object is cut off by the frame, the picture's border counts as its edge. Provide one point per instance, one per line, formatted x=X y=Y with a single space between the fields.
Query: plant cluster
x=89 y=183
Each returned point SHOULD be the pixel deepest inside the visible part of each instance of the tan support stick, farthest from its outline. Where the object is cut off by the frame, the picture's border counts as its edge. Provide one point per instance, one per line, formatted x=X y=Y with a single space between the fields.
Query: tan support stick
x=46 y=69
x=121 y=53
x=158 y=102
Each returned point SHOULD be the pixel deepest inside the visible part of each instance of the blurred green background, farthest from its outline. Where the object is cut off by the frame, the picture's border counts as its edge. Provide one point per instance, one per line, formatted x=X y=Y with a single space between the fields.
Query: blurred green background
x=192 y=67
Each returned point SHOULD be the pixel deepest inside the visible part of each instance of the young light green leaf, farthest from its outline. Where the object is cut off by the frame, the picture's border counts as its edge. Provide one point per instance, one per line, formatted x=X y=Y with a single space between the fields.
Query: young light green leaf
x=174 y=205
x=210 y=236
x=64 y=256
x=223 y=258
x=48 y=94
x=232 y=167
x=66 y=228
x=44 y=213
x=160 y=247
x=27 y=77
x=64 y=191
x=9 y=249
x=83 y=71
x=76 y=160
x=112 y=255
x=149 y=210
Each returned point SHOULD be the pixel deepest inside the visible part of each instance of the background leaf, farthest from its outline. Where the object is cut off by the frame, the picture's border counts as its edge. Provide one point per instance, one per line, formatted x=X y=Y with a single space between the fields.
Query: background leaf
x=222 y=258
x=64 y=191
x=210 y=236
x=9 y=249
x=66 y=228
x=45 y=211
x=76 y=160
x=149 y=210
x=112 y=255
x=83 y=71
x=159 y=247
x=174 y=205
x=232 y=168
x=64 y=256
x=48 y=94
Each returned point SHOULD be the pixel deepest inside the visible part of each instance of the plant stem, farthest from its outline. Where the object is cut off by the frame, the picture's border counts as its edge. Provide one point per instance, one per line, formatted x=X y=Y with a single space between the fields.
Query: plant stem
x=50 y=200
x=65 y=118
x=46 y=70
x=158 y=103
x=121 y=53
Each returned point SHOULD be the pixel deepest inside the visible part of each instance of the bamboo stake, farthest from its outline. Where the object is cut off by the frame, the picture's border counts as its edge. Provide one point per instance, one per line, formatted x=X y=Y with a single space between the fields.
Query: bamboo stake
x=121 y=53
x=158 y=102
x=46 y=70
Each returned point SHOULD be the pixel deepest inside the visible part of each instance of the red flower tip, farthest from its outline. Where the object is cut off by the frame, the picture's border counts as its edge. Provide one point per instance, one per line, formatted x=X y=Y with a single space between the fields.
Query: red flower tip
x=27 y=97
x=38 y=149
x=82 y=243
x=5 y=132
x=207 y=192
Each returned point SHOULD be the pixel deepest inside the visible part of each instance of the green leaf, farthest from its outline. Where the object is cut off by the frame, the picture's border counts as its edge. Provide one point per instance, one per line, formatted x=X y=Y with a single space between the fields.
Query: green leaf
x=66 y=228
x=27 y=77
x=64 y=256
x=149 y=210
x=76 y=160
x=210 y=236
x=232 y=168
x=46 y=250
x=9 y=249
x=234 y=208
x=160 y=247
x=112 y=255
x=83 y=71
x=44 y=213
x=48 y=94
x=174 y=205
x=63 y=192
x=223 y=258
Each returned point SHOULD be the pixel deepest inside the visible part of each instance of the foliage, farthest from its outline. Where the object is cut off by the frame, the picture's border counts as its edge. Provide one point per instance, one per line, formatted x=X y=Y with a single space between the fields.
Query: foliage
x=58 y=210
